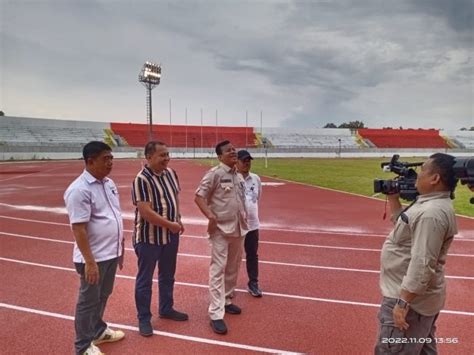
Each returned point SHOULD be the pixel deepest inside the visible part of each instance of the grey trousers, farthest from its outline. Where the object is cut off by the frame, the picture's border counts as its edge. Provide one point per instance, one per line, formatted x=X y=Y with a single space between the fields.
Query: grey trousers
x=91 y=303
x=419 y=338
x=226 y=257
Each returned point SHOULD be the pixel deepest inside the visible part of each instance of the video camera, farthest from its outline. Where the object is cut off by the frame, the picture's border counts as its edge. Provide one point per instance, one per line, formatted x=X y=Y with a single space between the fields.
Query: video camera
x=403 y=184
x=464 y=171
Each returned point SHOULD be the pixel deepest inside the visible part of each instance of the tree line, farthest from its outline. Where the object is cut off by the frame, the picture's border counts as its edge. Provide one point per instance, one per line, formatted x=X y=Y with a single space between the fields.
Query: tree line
x=360 y=124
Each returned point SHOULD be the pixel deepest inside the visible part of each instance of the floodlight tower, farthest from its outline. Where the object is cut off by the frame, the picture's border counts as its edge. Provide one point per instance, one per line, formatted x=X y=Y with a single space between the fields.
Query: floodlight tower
x=150 y=76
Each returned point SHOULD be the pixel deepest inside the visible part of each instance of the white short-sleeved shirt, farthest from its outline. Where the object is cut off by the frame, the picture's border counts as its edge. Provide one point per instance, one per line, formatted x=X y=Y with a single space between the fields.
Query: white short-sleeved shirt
x=96 y=203
x=253 y=192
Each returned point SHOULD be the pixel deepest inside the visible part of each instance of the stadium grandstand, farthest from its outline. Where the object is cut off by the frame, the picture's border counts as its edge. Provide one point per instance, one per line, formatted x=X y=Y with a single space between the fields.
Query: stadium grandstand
x=33 y=131
x=180 y=136
x=459 y=139
x=403 y=138
x=311 y=138
x=38 y=135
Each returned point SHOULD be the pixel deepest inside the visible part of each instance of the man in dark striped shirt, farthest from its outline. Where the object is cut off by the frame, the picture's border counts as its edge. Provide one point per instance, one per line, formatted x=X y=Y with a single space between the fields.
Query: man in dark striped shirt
x=156 y=234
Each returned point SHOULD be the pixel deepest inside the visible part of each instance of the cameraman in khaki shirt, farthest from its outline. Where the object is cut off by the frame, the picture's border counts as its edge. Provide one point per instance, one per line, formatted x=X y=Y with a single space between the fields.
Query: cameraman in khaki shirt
x=413 y=262
x=221 y=198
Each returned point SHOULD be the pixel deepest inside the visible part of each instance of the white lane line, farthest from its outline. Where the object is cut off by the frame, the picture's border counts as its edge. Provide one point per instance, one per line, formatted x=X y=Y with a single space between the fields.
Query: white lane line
x=333 y=268
x=200 y=221
x=282 y=295
x=189 y=221
x=164 y=334
x=36 y=173
x=34 y=220
x=260 y=241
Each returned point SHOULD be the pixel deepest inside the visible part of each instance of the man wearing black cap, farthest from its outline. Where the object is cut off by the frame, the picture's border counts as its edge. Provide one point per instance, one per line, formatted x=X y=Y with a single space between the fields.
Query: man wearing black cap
x=253 y=192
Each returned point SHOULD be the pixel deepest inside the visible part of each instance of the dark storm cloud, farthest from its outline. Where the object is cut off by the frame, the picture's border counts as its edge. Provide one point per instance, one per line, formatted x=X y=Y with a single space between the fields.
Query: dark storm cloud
x=458 y=14
x=310 y=61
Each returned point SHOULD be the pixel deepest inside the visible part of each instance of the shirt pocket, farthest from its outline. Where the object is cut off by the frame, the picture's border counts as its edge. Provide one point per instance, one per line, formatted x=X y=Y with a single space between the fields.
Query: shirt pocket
x=227 y=186
x=402 y=232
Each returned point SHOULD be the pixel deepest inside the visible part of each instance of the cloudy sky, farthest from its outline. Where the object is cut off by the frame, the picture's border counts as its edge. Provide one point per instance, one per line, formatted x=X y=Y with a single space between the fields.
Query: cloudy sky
x=302 y=63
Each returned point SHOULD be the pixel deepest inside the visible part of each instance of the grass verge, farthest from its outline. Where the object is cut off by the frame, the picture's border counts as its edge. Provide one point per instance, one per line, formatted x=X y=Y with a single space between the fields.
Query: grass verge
x=350 y=175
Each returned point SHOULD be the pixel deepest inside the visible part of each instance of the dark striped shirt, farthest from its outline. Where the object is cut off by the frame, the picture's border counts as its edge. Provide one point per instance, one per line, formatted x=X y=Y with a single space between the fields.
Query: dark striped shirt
x=161 y=190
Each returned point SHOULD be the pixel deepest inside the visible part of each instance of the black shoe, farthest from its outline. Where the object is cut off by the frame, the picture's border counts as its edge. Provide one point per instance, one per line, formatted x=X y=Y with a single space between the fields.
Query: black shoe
x=218 y=326
x=175 y=315
x=145 y=328
x=254 y=290
x=232 y=309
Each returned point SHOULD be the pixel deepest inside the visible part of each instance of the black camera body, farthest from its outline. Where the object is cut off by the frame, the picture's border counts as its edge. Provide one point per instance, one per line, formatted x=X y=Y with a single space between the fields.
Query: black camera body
x=403 y=184
x=464 y=171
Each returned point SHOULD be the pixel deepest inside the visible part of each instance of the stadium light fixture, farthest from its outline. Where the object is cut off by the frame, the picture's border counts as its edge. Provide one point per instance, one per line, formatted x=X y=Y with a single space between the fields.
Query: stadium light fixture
x=150 y=76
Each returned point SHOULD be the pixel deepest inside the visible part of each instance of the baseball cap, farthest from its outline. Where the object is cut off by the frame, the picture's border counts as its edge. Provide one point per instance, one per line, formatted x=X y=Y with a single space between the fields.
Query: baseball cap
x=243 y=154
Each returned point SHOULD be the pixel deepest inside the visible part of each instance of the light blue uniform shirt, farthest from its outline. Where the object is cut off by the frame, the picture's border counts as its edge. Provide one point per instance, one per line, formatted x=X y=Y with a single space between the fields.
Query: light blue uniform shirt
x=96 y=203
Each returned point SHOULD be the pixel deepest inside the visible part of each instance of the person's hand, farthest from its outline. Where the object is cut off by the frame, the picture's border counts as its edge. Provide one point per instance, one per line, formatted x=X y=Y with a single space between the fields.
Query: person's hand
x=91 y=273
x=399 y=317
x=393 y=197
x=174 y=227
x=211 y=227
x=122 y=257
x=181 y=231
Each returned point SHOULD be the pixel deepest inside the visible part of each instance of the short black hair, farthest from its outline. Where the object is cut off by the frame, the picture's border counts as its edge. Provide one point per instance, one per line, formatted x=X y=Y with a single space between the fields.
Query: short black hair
x=150 y=147
x=220 y=145
x=443 y=165
x=94 y=149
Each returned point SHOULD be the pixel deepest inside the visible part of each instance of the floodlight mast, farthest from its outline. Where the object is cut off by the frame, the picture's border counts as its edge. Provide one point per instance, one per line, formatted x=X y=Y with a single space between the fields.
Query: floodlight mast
x=150 y=76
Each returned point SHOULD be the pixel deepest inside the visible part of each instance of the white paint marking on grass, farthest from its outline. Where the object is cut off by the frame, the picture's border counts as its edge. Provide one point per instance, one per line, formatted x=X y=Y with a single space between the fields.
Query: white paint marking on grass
x=164 y=334
x=304 y=298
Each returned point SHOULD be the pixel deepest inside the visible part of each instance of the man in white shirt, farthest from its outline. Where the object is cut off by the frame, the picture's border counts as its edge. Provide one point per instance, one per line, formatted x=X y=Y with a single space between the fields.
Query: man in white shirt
x=92 y=202
x=253 y=192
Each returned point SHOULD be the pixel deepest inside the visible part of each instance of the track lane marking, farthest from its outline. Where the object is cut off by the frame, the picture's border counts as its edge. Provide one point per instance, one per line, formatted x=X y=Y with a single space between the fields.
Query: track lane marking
x=200 y=221
x=205 y=238
x=37 y=173
x=282 y=295
x=333 y=268
x=461 y=239
x=157 y=332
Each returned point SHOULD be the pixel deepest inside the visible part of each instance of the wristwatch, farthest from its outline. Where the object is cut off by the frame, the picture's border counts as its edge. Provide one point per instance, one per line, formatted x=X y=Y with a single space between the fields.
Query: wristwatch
x=402 y=303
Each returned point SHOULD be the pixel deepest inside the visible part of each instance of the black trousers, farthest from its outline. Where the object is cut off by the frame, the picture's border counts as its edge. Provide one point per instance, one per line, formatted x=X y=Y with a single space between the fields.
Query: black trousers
x=251 y=249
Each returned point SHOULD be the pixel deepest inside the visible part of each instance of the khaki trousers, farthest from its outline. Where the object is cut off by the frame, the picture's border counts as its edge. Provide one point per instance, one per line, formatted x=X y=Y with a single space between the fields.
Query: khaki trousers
x=226 y=257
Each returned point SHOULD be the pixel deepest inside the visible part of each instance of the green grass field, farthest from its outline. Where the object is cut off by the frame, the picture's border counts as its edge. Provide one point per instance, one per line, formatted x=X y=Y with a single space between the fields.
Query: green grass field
x=351 y=175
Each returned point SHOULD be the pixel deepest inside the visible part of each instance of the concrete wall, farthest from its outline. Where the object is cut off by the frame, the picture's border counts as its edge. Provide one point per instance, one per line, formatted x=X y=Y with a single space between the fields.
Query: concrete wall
x=256 y=153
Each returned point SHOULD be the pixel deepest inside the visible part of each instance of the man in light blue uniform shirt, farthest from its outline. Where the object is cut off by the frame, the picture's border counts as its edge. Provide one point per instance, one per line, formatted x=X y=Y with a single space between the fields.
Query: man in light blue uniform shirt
x=92 y=202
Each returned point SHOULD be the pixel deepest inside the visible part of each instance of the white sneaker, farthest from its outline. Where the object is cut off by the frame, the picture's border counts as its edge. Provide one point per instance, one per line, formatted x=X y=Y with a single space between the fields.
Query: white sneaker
x=109 y=336
x=93 y=350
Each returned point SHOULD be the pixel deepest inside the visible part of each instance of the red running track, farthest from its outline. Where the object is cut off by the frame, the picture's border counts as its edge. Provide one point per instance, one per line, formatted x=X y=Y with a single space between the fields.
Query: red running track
x=319 y=255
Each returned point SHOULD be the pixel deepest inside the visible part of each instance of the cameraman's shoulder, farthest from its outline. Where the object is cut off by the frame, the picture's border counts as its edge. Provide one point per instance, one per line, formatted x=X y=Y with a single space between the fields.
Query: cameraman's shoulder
x=438 y=214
